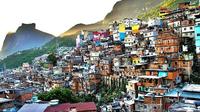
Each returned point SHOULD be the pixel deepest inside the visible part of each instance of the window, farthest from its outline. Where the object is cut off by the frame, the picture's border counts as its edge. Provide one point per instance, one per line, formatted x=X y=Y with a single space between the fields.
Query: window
x=190 y=21
x=191 y=28
x=198 y=34
x=184 y=29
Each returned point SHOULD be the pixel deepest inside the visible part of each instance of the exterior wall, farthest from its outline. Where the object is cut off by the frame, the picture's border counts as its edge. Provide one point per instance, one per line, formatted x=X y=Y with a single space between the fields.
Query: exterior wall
x=98 y=48
x=186 y=23
x=139 y=106
x=172 y=75
x=159 y=91
x=105 y=69
x=197 y=39
x=171 y=49
x=135 y=60
x=24 y=97
x=118 y=48
x=151 y=34
x=183 y=5
x=135 y=28
x=11 y=94
x=167 y=43
x=181 y=63
x=6 y=105
x=77 y=86
x=122 y=36
x=153 y=104
x=154 y=22
x=177 y=23
x=122 y=27
x=152 y=73
x=150 y=82
x=197 y=36
x=149 y=100
x=197 y=21
x=190 y=34
x=198 y=50
x=116 y=37
x=188 y=31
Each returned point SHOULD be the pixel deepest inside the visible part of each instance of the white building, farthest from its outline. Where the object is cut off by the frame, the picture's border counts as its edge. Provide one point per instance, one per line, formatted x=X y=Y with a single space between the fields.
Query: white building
x=188 y=31
x=154 y=22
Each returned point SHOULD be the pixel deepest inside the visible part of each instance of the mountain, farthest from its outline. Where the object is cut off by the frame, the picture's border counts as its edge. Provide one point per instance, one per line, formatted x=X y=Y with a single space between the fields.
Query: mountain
x=17 y=59
x=122 y=9
x=26 y=37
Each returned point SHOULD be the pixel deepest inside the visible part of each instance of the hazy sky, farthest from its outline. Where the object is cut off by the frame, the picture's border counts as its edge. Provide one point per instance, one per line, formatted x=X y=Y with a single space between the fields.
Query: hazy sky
x=52 y=16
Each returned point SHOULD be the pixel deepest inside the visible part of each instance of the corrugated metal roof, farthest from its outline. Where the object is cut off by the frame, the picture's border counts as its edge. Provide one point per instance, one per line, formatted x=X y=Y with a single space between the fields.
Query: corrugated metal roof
x=33 y=108
x=85 y=106
x=172 y=93
x=192 y=88
x=192 y=95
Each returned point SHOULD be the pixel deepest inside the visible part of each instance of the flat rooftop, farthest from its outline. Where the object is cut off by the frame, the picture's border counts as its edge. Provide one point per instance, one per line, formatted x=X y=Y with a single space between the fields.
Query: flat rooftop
x=149 y=77
x=192 y=88
x=133 y=81
x=5 y=100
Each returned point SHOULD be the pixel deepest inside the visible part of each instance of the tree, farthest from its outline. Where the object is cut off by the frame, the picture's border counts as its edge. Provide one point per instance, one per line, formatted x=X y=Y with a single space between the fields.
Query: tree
x=52 y=59
x=195 y=76
x=64 y=95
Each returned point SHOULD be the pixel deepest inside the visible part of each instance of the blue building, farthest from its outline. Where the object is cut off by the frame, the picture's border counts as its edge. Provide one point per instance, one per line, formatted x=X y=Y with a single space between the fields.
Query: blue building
x=197 y=35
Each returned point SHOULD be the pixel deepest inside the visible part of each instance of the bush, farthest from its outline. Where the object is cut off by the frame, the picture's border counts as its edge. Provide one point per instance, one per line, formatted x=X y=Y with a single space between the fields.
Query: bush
x=64 y=95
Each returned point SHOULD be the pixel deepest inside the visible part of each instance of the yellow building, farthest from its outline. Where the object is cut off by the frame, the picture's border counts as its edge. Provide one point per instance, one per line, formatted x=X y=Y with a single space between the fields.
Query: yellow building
x=135 y=28
x=122 y=27
x=135 y=60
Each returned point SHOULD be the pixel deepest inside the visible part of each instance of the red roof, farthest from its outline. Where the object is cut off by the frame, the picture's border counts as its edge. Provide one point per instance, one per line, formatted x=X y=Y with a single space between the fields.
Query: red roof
x=80 y=107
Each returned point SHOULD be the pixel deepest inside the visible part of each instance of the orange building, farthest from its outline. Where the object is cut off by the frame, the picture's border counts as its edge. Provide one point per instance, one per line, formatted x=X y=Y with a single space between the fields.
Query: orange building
x=184 y=5
x=68 y=68
x=167 y=43
x=153 y=102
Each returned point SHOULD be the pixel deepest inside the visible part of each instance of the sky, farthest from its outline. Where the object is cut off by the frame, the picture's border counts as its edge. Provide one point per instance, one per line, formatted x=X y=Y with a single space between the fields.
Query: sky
x=51 y=16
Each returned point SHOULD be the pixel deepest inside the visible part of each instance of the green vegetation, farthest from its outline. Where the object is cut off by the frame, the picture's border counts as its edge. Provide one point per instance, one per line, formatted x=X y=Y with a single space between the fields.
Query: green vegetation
x=52 y=59
x=17 y=59
x=62 y=94
x=170 y=4
x=65 y=95
x=107 y=95
x=195 y=76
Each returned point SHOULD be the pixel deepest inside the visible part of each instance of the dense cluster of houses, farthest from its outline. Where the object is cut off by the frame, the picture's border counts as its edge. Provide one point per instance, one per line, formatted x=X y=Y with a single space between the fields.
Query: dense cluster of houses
x=152 y=59
x=155 y=57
